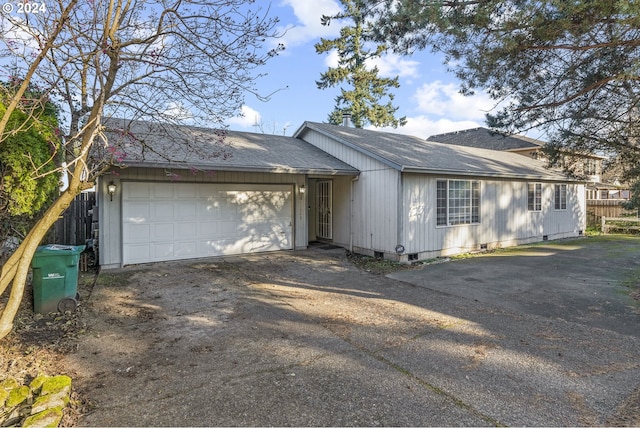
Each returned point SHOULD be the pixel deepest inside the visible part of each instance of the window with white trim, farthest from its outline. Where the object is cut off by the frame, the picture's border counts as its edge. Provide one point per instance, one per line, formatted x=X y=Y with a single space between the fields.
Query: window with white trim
x=560 y=200
x=534 y=196
x=457 y=202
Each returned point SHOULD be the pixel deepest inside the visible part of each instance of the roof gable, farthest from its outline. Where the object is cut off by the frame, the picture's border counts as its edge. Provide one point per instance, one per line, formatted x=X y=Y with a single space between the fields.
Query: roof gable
x=147 y=144
x=412 y=154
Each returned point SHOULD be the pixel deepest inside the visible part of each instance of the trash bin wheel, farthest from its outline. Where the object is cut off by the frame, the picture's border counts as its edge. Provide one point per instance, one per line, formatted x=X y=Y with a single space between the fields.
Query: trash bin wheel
x=67 y=304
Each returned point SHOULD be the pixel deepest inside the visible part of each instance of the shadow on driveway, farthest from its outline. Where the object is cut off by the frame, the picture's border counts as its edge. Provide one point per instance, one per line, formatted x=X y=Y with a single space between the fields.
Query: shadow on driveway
x=590 y=281
x=307 y=339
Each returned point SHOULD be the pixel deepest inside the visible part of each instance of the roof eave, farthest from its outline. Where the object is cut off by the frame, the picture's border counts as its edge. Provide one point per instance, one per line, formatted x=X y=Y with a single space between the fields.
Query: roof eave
x=449 y=172
x=237 y=168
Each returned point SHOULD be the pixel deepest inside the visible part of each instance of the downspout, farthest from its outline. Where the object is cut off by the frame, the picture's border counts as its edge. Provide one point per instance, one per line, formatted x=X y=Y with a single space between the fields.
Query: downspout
x=353 y=181
x=400 y=212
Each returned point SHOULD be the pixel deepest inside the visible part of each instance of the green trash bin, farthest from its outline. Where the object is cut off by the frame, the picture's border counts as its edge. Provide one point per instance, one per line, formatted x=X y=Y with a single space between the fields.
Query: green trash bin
x=55 y=277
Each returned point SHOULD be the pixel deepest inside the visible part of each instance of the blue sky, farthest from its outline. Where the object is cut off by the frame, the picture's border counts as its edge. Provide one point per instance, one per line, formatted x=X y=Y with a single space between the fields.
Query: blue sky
x=428 y=94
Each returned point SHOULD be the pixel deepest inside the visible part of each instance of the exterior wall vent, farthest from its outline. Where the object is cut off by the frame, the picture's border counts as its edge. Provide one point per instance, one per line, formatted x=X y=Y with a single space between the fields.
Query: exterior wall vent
x=545 y=237
x=483 y=246
x=413 y=257
x=378 y=254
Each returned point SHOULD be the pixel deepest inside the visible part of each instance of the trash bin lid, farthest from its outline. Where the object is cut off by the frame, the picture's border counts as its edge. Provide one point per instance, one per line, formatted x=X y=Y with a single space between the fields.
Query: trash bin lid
x=58 y=249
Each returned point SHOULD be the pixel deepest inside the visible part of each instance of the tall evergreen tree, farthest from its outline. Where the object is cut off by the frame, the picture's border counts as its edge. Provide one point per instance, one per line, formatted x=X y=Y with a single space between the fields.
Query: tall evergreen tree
x=570 y=68
x=363 y=101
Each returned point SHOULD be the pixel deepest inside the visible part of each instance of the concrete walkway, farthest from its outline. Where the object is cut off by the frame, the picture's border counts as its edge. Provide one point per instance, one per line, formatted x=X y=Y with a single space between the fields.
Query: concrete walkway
x=545 y=336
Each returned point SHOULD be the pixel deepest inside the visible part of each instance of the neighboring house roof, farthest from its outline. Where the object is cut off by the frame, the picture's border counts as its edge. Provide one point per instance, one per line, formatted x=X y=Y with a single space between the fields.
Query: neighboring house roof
x=147 y=144
x=412 y=154
x=487 y=139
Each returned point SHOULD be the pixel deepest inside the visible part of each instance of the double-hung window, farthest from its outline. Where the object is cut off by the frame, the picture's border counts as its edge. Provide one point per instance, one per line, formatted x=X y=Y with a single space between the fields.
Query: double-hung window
x=457 y=202
x=534 y=196
x=560 y=200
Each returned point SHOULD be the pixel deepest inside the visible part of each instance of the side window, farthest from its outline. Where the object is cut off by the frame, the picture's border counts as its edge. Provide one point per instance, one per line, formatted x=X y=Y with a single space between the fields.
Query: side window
x=560 y=200
x=457 y=202
x=534 y=196
x=441 y=203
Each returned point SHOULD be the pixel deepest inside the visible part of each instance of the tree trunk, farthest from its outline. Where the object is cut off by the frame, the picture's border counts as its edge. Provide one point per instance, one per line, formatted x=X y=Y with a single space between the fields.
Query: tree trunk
x=16 y=273
x=60 y=26
x=16 y=269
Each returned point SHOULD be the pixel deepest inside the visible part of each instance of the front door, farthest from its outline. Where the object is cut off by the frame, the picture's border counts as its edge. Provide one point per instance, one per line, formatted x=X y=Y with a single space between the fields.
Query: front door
x=324 y=221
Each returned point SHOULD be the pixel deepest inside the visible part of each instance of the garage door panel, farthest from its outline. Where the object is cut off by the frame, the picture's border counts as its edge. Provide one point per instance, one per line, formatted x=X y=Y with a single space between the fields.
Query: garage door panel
x=161 y=211
x=163 y=191
x=140 y=253
x=217 y=229
x=186 y=250
x=162 y=251
x=137 y=232
x=187 y=210
x=136 y=212
x=162 y=232
x=186 y=192
x=170 y=221
x=187 y=230
x=219 y=209
x=139 y=190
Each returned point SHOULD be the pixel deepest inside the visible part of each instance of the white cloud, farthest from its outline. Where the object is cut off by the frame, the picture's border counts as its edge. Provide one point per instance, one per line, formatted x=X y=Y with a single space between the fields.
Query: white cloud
x=332 y=58
x=308 y=26
x=444 y=99
x=248 y=118
x=392 y=65
x=19 y=37
x=424 y=127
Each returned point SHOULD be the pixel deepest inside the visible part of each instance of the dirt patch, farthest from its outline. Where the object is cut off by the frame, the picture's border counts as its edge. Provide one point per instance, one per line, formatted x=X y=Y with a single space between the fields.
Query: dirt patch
x=38 y=343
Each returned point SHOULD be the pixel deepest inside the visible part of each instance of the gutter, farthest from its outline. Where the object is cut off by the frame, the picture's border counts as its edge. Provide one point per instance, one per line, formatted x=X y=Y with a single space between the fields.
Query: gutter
x=235 y=168
x=541 y=176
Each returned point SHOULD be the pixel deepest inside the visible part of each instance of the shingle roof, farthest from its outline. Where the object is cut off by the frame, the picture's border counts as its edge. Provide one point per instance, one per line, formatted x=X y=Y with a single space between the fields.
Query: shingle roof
x=412 y=154
x=150 y=144
x=487 y=139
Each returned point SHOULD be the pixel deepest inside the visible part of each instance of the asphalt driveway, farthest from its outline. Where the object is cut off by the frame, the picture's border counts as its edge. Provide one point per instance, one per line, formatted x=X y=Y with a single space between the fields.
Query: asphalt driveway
x=580 y=281
x=545 y=335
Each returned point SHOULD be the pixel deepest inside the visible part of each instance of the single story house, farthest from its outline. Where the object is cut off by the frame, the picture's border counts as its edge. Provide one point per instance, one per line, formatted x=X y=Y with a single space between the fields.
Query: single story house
x=376 y=193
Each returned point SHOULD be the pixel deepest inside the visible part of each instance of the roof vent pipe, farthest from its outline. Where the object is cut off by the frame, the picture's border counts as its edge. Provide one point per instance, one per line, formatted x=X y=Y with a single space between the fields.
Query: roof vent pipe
x=346 y=119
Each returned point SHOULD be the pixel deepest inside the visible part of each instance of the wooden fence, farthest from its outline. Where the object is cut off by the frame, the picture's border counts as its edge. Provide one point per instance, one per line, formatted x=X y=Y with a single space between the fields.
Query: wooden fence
x=596 y=209
x=621 y=224
x=74 y=227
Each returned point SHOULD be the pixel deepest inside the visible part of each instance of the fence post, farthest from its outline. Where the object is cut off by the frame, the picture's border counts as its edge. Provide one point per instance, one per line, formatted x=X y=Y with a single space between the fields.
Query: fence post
x=603 y=227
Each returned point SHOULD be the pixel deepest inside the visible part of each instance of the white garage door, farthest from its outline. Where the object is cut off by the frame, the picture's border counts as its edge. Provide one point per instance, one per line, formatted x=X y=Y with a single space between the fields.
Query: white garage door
x=173 y=221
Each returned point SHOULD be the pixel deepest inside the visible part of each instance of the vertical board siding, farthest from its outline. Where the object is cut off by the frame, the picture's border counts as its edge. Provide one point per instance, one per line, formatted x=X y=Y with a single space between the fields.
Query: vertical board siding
x=341 y=219
x=110 y=233
x=505 y=219
x=375 y=196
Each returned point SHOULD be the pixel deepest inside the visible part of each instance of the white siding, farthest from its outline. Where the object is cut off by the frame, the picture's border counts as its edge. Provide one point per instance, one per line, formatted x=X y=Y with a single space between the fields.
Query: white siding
x=110 y=212
x=505 y=219
x=374 y=210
